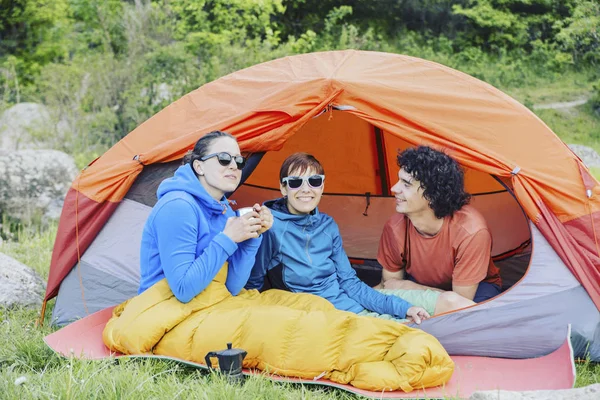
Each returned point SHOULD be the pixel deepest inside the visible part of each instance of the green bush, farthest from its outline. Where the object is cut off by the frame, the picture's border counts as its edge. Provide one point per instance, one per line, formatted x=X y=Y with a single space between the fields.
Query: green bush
x=595 y=100
x=580 y=32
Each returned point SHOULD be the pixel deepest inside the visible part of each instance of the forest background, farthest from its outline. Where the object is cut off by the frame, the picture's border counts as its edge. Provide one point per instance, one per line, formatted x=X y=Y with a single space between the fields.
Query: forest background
x=102 y=67
x=105 y=66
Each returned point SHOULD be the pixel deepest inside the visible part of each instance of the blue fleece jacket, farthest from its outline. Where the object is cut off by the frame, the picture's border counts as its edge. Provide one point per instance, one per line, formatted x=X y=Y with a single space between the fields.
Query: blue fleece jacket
x=309 y=249
x=183 y=240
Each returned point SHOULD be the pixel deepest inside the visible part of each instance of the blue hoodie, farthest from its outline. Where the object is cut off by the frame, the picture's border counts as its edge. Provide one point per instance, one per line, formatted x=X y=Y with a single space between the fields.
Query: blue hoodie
x=183 y=240
x=309 y=250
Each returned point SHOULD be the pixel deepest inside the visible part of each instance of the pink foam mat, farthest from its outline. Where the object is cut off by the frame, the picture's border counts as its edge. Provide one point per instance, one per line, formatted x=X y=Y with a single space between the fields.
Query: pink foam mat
x=83 y=339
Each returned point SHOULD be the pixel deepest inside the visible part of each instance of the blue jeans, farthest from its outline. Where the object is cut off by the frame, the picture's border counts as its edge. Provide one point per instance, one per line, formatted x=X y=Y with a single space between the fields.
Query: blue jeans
x=485 y=290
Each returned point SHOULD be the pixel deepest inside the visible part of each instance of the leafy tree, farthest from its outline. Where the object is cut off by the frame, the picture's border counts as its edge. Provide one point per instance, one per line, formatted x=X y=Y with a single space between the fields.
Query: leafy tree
x=32 y=33
x=34 y=28
x=207 y=24
x=389 y=17
x=98 y=23
x=580 y=33
x=511 y=24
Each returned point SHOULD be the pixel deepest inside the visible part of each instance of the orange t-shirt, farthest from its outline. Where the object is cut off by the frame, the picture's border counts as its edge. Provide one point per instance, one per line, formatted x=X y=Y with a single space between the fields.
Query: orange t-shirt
x=459 y=253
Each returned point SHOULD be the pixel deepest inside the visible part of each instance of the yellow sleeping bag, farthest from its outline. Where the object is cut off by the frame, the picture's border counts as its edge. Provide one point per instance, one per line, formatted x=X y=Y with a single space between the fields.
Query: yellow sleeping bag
x=291 y=334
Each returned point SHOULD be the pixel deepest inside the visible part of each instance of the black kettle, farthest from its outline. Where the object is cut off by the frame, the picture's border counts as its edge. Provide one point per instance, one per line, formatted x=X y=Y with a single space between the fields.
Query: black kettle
x=230 y=363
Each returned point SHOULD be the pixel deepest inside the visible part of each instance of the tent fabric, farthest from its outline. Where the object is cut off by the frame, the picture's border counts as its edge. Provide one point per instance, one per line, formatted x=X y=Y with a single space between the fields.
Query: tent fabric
x=403 y=97
x=521 y=329
x=86 y=290
x=80 y=221
x=116 y=249
x=108 y=273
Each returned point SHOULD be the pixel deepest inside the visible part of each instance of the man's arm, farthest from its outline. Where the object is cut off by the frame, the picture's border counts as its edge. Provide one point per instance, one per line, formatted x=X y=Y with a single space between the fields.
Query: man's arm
x=467 y=292
x=387 y=276
x=395 y=280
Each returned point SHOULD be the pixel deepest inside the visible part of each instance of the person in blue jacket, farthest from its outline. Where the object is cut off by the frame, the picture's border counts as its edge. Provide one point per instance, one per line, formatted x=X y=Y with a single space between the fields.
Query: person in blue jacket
x=303 y=251
x=192 y=230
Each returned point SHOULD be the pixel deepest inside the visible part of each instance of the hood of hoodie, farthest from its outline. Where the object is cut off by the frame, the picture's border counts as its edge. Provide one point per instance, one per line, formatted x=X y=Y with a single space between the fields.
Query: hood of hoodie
x=185 y=180
x=280 y=211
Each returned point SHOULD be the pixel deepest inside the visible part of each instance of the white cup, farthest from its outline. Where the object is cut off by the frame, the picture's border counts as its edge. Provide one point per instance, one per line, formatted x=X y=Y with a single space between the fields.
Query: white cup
x=244 y=210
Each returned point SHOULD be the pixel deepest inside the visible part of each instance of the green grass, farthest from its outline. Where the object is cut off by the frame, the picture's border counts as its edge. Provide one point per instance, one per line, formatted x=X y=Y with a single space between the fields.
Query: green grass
x=588 y=373
x=23 y=354
x=571 y=86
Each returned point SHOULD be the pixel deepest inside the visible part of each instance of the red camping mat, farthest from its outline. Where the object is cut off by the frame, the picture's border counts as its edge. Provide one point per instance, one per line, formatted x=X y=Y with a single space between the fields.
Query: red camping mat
x=83 y=339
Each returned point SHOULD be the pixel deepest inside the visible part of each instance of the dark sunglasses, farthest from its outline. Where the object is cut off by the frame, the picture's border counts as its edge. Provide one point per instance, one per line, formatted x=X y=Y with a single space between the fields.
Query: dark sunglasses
x=225 y=159
x=295 y=182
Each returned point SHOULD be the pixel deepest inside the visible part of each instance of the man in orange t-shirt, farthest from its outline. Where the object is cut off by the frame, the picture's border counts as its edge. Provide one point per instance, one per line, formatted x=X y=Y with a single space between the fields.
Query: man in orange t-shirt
x=437 y=240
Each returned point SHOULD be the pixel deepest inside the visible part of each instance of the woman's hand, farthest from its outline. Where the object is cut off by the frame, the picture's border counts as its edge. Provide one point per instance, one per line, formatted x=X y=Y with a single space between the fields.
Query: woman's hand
x=416 y=314
x=266 y=218
x=243 y=228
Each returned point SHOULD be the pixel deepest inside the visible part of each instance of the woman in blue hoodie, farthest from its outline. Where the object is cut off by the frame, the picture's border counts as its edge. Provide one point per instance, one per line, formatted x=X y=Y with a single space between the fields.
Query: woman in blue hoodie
x=192 y=230
x=304 y=253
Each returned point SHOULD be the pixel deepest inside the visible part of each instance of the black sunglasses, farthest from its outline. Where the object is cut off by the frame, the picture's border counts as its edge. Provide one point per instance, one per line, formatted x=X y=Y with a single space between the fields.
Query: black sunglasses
x=294 y=182
x=225 y=159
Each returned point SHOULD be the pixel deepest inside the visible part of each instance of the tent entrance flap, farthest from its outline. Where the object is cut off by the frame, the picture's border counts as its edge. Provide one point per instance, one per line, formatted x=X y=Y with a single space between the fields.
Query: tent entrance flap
x=83 y=339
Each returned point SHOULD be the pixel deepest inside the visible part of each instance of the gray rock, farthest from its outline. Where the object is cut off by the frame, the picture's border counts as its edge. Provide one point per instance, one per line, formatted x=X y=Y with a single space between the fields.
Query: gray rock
x=33 y=183
x=19 y=284
x=591 y=392
x=30 y=126
x=588 y=155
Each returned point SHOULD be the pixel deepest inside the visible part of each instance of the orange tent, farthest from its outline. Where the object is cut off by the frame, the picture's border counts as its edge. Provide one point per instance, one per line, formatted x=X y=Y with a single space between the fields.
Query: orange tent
x=354 y=110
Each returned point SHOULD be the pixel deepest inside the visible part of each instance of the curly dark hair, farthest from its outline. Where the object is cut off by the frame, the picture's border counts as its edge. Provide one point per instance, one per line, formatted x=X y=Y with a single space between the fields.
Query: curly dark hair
x=441 y=178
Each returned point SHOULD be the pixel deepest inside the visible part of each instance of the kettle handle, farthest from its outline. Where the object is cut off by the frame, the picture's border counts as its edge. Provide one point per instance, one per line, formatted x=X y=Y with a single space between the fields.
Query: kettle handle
x=207 y=359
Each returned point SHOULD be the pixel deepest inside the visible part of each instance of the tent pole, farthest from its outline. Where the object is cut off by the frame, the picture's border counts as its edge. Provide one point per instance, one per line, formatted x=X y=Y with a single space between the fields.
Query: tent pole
x=381 y=161
x=40 y=321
